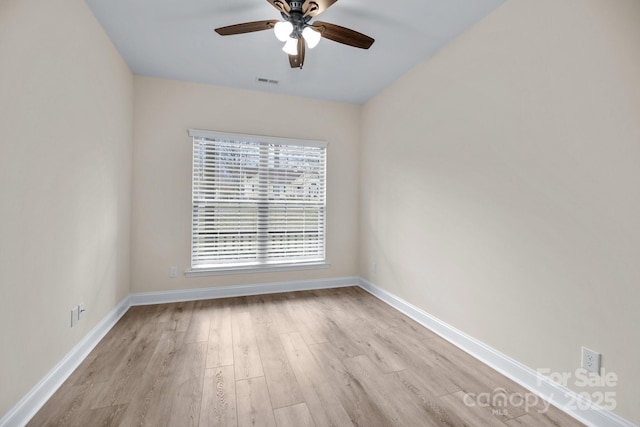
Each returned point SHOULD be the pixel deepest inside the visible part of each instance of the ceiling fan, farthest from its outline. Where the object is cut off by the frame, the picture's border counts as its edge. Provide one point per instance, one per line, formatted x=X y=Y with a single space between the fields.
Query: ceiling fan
x=296 y=28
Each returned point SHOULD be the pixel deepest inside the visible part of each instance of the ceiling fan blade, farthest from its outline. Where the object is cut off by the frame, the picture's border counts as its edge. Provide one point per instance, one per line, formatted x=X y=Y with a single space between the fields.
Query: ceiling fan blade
x=281 y=5
x=246 y=27
x=316 y=7
x=297 y=61
x=343 y=35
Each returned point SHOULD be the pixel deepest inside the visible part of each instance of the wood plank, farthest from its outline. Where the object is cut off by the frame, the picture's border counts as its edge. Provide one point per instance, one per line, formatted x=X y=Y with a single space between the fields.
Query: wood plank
x=387 y=353
x=163 y=312
x=107 y=416
x=254 y=405
x=258 y=307
x=246 y=357
x=130 y=371
x=426 y=368
x=338 y=334
x=220 y=343
x=198 y=330
x=283 y=387
x=409 y=327
x=419 y=386
x=333 y=306
x=236 y=304
x=300 y=307
x=427 y=381
x=470 y=415
x=151 y=399
x=362 y=410
x=181 y=315
x=271 y=309
x=219 y=398
x=313 y=332
x=305 y=304
x=186 y=390
x=294 y=416
x=70 y=405
x=473 y=376
x=319 y=395
x=546 y=419
x=389 y=395
x=173 y=394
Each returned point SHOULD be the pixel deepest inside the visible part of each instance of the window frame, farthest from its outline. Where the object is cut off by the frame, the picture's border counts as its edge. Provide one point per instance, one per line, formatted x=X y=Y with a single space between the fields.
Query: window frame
x=195 y=271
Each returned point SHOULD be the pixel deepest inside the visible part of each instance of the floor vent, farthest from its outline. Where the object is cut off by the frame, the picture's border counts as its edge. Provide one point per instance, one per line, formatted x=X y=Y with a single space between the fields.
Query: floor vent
x=266 y=81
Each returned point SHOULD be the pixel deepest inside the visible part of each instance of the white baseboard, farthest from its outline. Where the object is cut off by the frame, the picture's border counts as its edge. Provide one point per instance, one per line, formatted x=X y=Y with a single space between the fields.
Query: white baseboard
x=559 y=396
x=31 y=403
x=147 y=298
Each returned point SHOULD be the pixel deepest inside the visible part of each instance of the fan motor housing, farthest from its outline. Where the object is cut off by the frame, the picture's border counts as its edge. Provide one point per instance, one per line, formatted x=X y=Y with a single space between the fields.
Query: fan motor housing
x=295 y=5
x=297 y=18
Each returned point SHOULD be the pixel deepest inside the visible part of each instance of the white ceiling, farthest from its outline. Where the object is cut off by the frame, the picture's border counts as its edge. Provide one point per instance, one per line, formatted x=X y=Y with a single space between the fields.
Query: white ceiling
x=174 y=39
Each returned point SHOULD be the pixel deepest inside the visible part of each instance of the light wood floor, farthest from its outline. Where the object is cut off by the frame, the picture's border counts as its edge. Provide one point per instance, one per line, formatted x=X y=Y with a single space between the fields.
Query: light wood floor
x=335 y=357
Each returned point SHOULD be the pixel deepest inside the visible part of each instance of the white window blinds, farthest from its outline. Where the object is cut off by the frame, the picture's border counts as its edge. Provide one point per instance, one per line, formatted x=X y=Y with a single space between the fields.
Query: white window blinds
x=257 y=201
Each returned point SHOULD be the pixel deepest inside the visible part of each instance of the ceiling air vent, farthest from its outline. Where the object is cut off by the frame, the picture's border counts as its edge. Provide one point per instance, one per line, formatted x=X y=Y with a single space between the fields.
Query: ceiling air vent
x=266 y=81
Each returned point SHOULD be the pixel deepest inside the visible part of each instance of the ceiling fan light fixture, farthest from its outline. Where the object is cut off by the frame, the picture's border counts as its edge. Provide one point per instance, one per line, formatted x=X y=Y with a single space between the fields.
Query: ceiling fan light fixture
x=297 y=32
x=311 y=36
x=291 y=46
x=283 y=30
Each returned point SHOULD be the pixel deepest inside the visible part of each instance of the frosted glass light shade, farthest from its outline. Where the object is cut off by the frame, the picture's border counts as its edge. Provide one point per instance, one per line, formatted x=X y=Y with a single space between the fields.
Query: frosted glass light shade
x=282 y=30
x=291 y=46
x=311 y=36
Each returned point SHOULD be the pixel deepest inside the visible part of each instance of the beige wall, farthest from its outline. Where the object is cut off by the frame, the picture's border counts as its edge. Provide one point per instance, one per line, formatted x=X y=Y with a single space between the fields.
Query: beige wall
x=65 y=155
x=161 y=227
x=500 y=185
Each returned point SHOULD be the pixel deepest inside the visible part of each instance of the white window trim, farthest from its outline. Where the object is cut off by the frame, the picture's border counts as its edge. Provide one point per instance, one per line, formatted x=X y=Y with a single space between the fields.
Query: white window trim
x=241 y=269
x=201 y=272
x=210 y=134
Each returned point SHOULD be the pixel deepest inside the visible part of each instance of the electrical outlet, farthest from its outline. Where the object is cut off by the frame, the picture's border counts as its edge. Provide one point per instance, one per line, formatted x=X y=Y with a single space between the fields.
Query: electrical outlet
x=74 y=316
x=374 y=267
x=81 y=311
x=591 y=360
x=173 y=272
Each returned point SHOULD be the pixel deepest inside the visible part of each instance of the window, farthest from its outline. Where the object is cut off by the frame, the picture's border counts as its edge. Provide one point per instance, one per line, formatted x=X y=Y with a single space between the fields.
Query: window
x=257 y=201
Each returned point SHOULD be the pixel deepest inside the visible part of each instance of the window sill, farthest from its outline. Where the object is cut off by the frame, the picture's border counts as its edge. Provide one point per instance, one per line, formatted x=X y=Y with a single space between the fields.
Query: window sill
x=200 y=272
